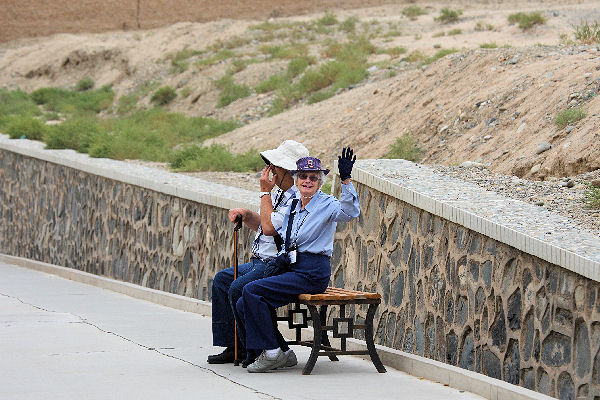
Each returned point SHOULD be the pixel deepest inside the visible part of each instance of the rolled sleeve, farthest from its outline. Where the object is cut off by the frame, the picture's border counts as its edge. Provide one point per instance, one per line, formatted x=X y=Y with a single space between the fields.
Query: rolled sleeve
x=349 y=204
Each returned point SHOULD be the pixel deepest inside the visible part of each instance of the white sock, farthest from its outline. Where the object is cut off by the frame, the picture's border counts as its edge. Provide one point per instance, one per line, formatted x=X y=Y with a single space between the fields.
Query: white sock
x=287 y=352
x=272 y=353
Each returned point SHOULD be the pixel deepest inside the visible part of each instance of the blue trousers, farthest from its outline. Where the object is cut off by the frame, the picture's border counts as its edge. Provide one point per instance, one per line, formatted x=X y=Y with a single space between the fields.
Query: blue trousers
x=310 y=274
x=225 y=293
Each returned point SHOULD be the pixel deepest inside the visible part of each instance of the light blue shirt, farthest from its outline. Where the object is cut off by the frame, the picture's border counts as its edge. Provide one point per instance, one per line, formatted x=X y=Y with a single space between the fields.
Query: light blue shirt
x=264 y=246
x=314 y=226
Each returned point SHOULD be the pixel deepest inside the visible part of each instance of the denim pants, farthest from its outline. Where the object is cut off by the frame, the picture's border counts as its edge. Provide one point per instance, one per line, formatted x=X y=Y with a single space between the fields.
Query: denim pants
x=225 y=293
x=260 y=298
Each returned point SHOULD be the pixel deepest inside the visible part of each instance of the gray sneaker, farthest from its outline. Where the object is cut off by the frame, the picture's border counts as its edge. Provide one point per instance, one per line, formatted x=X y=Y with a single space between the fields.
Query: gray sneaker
x=290 y=359
x=264 y=363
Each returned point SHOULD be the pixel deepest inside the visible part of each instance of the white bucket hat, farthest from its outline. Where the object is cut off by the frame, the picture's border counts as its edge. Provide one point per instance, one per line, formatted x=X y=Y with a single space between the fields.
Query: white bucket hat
x=286 y=155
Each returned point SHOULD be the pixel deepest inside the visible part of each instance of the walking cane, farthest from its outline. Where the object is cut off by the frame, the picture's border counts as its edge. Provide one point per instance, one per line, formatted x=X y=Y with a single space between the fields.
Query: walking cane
x=238 y=226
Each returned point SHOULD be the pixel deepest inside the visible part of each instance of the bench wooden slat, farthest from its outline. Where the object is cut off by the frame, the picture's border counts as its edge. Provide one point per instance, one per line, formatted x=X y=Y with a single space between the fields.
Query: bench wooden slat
x=333 y=293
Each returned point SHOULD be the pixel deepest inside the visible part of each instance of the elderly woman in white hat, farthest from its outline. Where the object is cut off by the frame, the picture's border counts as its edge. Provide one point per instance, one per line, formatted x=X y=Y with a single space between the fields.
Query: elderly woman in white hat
x=309 y=227
x=225 y=290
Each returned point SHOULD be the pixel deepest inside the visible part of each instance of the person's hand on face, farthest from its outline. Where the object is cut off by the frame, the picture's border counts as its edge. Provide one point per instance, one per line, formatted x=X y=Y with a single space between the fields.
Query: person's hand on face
x=308 y=183
x=267 y=182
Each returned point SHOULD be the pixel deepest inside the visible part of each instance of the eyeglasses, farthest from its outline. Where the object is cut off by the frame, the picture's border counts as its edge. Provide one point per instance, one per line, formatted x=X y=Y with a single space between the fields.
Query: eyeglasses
x=313 y=178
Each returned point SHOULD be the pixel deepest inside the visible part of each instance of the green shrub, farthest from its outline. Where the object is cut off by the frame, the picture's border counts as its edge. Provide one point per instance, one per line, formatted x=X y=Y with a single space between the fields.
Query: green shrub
x=274 y=82
x=277 y=51
x=326 y=188
x=163 y=96
x=415 y=55
x=297 y=65
x=569 y=117
x=76 y=133
x=127 y=103
x=349 y=24
x=320 y=96
x=327 y=20
x=591 y=197
x=25 y=126
x=84 y=84
x=405 y=147
x=490 y=45
x=527 y=20
x=448 y=15
x=214 y=158
x=586 y=33
x=230 y=92
x=413 y=12
x=72 y=102
x=16 y=102
x=454 y=32
x=395 y=51
x=481 y=26
x=437 y=56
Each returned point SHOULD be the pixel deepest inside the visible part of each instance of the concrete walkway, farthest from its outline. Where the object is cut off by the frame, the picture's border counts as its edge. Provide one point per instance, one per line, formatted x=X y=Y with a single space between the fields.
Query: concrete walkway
x=68 y=340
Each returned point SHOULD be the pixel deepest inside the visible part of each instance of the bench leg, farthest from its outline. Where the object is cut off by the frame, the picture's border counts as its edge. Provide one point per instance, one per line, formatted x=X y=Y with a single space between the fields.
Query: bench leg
x=369 y=338
x=325 y=337
x=312 y=359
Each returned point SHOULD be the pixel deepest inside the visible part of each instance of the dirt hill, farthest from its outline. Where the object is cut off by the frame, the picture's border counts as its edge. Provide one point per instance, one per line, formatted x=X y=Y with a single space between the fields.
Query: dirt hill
x=494 y=106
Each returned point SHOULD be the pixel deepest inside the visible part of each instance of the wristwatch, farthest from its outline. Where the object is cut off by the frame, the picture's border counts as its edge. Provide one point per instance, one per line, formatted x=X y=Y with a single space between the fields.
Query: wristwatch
x=264 y=194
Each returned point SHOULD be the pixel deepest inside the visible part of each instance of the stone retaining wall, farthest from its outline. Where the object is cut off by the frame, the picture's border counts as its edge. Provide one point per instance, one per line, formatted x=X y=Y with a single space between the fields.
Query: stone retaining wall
x=456 y=296
x=453 y=290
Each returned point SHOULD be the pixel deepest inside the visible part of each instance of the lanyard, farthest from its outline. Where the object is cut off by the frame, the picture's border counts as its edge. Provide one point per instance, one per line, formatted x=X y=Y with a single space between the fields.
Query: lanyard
x=297 y=227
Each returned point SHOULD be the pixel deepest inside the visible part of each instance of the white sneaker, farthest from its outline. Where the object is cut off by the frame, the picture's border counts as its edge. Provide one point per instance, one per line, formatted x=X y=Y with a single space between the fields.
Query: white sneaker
x=264 y=363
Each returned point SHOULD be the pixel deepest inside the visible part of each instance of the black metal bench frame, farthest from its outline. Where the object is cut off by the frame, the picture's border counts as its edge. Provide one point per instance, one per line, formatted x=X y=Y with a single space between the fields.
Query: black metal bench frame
x=320 y=344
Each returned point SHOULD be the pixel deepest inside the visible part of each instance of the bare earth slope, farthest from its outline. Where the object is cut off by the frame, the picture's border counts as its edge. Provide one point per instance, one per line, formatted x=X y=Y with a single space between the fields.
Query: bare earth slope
x=491 y=106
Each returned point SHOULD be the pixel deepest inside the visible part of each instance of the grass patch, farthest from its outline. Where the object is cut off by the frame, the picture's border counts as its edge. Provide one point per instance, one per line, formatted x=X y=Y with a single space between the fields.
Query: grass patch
x=591 y=197
x=214 y=158
x=437 y=56
x=328 y=19
x=447 y=15
x=413 y=12
x=16 y=102
x=163 y=96
x=127 y=103
x=349 y=24
x=406 y=148
x=527 y=20
x=394 y=51
x=230 y=91
x=586 y=33
x=569 y=117
x=72 y=101
x=76 y=133
x=482 y=26
x=454 y=32
x=219 y=56
x=415 y=55
x=326 y=188
x=439 y=34
x=489 y=45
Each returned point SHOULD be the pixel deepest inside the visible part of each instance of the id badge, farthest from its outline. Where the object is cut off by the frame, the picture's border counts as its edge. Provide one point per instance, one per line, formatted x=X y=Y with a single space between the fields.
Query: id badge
x=293 y=253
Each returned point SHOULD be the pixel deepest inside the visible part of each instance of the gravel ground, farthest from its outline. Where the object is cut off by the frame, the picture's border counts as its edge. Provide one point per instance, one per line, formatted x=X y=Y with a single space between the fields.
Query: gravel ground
x=554 y=194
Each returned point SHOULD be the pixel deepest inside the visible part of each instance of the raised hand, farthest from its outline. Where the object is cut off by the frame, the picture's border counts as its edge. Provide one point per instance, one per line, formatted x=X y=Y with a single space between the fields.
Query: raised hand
x=346 y=162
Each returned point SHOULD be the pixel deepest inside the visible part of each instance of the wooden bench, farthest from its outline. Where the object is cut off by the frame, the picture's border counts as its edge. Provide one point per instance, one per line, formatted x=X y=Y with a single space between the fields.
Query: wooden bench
x=320 y=344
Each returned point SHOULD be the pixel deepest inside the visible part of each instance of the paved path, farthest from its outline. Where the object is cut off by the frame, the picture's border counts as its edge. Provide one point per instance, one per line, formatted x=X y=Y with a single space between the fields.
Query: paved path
x=68 y=340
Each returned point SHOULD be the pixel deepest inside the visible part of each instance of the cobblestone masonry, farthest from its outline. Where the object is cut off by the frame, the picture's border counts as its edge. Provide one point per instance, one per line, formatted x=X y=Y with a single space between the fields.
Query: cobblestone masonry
x=74 y=219
x=449 y=293
x=456 y=296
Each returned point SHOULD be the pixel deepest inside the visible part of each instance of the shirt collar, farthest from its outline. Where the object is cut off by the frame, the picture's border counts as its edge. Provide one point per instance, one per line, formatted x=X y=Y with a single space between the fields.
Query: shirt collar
x=313 y=203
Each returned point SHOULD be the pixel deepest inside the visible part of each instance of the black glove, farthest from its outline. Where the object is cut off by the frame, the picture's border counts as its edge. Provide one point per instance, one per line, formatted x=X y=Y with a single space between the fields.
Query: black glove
x=277 y=265
x=346 y=162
